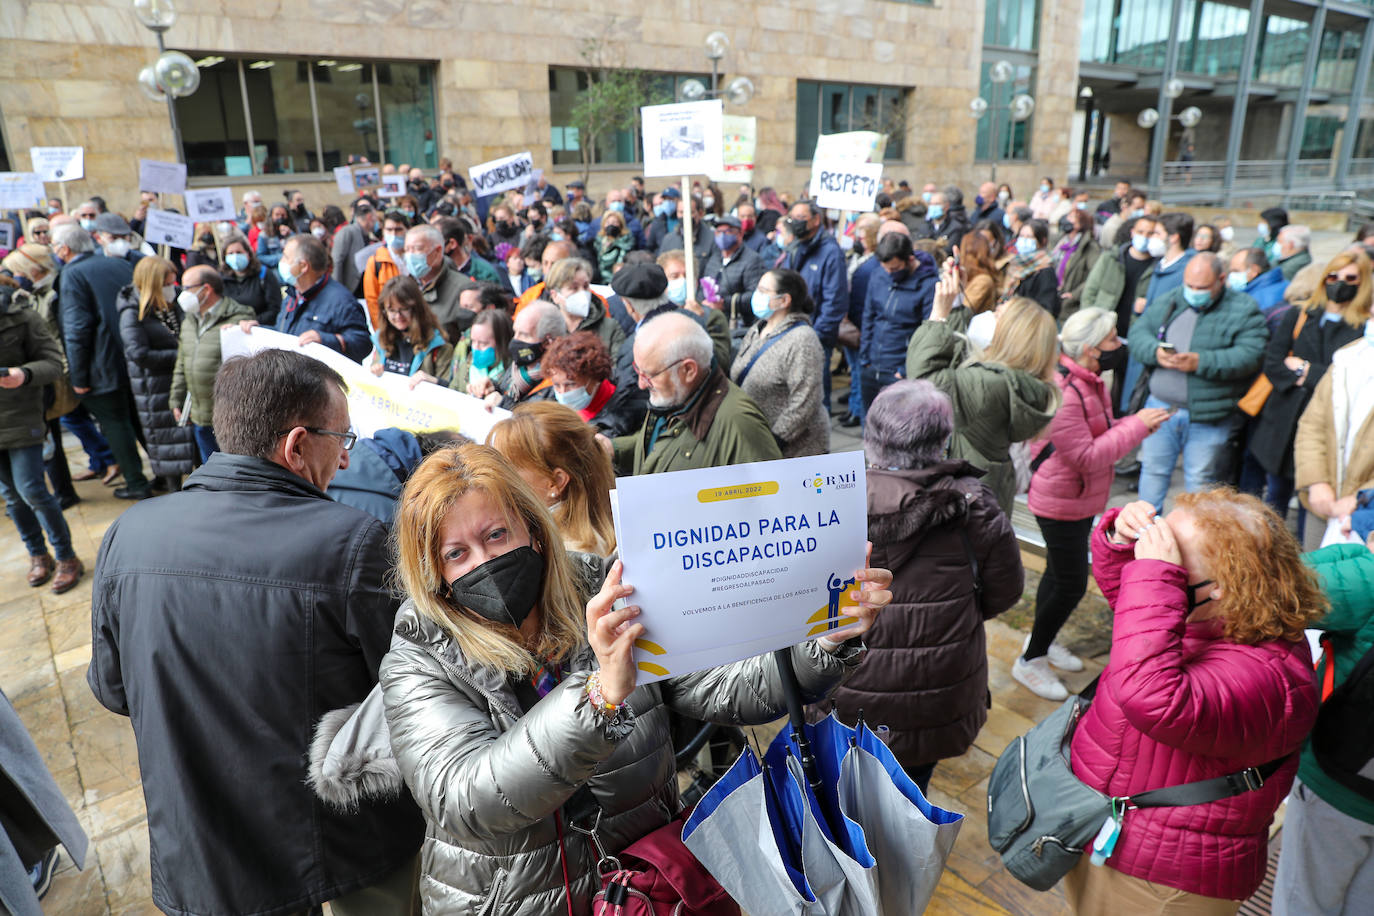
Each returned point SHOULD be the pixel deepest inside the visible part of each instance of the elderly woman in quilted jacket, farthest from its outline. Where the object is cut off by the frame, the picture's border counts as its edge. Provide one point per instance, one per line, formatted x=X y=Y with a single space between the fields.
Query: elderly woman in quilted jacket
x=514 y=713
x=1210 y=674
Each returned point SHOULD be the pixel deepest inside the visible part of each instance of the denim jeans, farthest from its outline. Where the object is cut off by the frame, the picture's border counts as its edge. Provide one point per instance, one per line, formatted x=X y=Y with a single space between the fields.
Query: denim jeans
x=825 y=378
x=856 y=401
x=872 y=381
x=1198 y=443
x=58 y=471
x=29 y=503
x=205 y=441
x=81 y=424
x=1276 y=491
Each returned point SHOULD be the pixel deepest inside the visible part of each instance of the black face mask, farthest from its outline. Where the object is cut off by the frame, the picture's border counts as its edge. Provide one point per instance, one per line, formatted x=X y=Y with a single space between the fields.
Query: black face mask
x=1341 y=292
x=798 y=228
x=503 y=589
x=1112 y=360
x=526 y=352
x=612 y=230
x=1066 y=226
x=1193 y=603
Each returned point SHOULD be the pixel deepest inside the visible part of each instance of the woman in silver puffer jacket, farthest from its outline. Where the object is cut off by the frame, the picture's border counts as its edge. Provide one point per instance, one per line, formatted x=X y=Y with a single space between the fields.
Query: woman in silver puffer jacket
x=512 y=711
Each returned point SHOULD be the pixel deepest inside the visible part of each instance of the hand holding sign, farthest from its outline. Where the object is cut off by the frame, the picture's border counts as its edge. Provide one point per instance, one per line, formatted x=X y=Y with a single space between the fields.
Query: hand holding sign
x=872 y=592
x=612 y=636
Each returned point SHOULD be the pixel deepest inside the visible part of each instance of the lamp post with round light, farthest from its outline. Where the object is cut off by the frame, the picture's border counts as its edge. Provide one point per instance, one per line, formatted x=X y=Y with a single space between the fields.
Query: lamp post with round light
x=1021 y=107
x=173 y=75
x=740 y=89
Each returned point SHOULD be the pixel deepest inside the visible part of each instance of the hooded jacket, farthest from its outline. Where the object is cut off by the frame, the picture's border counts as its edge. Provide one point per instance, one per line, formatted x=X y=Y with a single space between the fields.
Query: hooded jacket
x=1107 y=281
x=150 y=351
x=329 y=309
x=380 y=268
x=492 y=780
x=893 y=310
x=926 y=672
x=1075 y=481
x=1320 y=453
x=378 y=468
x=1179 y=703
x=25 y=346
x=223 y=659
x=994 y=406
x=260 y=291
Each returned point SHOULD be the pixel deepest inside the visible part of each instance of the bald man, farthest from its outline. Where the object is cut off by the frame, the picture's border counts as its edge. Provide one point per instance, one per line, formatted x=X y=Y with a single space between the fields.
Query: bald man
x=697 y=418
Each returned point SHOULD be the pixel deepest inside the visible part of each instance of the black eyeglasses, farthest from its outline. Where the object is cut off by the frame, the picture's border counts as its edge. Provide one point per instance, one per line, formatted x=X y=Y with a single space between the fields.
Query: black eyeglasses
x=349 y=439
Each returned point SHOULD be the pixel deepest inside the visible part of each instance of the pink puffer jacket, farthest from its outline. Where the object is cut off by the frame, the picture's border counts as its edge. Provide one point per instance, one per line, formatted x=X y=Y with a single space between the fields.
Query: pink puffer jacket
x=1075 y=481
x=1179 y=703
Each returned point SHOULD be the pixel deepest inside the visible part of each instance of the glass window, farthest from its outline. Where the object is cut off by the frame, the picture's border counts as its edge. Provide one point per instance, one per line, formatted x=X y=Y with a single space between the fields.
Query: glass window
x=1337 y=58
x=1012 y=24
x=216 y=134
x=1282 y=50
x=835 y=108
x=1012 y=137
x=615 y=146
x=1217 y=41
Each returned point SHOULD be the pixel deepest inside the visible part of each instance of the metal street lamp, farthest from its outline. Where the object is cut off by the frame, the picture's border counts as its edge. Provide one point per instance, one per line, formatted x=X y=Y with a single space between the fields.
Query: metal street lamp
x=1021 y=107
x=740 y=89
x=174 y=75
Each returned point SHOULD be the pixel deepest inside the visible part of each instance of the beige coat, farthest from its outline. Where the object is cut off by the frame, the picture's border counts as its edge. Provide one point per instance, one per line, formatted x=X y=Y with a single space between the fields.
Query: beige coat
x=1318 y=453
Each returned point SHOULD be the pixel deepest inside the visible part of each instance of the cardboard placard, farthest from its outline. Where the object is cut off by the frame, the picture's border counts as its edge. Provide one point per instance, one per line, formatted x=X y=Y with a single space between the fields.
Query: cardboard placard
x=163 y=227
x=366 y=177
x=846 y=185
x=162 y=177
x=505 y=174
x=682 y=139
x=58 y=163
x=210 y=204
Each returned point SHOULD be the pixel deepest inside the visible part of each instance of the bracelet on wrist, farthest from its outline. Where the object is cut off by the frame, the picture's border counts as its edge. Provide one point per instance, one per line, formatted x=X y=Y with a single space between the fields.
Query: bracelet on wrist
x=597 y=698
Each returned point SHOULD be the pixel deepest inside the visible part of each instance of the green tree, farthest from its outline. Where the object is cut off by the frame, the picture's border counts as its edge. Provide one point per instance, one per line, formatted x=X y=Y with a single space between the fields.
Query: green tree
x=613 y=96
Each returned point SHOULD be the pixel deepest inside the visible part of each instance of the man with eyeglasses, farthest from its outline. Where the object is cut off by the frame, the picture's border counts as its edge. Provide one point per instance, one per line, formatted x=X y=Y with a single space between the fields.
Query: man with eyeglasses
x=227 y=619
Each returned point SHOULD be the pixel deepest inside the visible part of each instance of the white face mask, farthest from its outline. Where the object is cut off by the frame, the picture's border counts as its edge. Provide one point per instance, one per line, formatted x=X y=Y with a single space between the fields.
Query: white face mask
x=189 y=301
x=116 y=248
x=168 y=293
x=578 y=304
x=980 y=329
x=1227 y=233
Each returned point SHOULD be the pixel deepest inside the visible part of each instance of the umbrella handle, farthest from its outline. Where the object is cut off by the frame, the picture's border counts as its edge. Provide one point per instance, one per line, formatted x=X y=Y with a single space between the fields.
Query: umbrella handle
x=791 y=691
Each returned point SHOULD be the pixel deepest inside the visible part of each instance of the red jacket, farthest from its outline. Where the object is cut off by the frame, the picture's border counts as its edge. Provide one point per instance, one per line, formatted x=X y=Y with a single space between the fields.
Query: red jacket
x=1076 y=480
x=1179 y=703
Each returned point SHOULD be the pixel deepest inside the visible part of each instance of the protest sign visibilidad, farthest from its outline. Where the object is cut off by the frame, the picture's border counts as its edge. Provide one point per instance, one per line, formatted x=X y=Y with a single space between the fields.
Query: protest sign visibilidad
x=379 y=402
x=508 y=173
x=731 y=562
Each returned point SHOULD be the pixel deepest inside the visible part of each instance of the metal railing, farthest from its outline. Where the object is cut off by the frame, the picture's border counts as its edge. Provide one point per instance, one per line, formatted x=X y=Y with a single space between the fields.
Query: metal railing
x=1193 y=179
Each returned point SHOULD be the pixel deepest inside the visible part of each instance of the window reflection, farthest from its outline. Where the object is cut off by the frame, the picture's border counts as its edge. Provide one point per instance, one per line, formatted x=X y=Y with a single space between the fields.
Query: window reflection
x=1013 y=137
x=1012 y=23
x=617 y=146
x=407 y=94
x=834 y=108
x=348 y=112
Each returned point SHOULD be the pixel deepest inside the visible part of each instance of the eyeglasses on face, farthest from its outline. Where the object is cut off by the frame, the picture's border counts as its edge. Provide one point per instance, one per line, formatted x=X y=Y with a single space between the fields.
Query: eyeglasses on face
x=650 y=376
x=348 y=439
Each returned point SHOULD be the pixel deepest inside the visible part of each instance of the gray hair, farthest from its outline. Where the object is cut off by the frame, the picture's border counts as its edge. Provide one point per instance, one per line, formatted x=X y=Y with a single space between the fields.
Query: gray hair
x=74 y=237
x=680 y=337
x=1213 y=261
x=908 y=425
x=1299 y=236
x=548 y=319
x=1086 y=328
x=642 y=307
x=432 y=236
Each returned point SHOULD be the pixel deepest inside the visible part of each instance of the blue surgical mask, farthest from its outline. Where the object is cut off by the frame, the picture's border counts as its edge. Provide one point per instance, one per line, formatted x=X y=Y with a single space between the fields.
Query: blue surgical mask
x=484 y=357
x=935 y=211
x=87 y=224
x=1006 y=220
x=677 y=291
x=925 y=196
x=410 y=214
x=1141 y=243
x=1138 y=212
x=616 y=205
x=1262 y=229
x=726 y=240
x=417 y=265
x=555 y=236
x=762 y=304
x=1196 y=298
x=1025 y=246
x=284 y=271
x=1081 y=205
x=396 y=242
x=237 y=261
x=1044 y=189
x=1237 y=280
x=667 y=208
x=577 y=399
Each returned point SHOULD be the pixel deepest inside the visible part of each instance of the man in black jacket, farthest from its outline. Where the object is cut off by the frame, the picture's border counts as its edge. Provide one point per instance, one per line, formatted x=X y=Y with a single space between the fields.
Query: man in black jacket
x=227 y=619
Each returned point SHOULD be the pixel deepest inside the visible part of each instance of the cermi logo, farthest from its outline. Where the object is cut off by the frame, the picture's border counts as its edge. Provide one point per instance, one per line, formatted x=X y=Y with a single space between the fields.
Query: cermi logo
x=819 y=482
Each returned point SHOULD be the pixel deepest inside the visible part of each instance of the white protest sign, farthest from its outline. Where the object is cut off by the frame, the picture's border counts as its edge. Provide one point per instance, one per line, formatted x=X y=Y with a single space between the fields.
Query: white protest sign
x=731 y=562
x=58 y=163
x=846 y=185
x=379 y=402
x=21 y=190
x=210 y=204
x=505 y=174
x=162 y=177
x=392 y=186
x=343 y=178
x=163 y=227
x=738 y=139
x=682 y=139
x=851 y=146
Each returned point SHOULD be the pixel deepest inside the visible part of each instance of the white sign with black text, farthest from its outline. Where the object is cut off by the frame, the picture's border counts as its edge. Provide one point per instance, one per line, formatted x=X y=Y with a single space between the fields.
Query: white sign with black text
x=58 y=163
x=505 y=174
x=162 y=177
x=163 y=227
x=846 y=185
x=21 y=191
x=210 y=204
x=683 y=139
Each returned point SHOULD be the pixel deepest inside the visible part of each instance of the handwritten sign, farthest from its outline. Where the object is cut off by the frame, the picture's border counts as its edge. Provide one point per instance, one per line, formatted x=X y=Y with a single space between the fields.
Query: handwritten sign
x=210 y=204
x=682 y=139
x=21 y=190
x=163 y=227
x=379 y=402
x=505 y=174
x=58 y=163
x=846 y=185
x=731 y=562
x=162 y=177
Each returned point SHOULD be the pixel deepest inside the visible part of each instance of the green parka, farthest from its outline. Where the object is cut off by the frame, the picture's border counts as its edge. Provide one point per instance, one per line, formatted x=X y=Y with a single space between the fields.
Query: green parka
x=1107 y=279
x=198 y=359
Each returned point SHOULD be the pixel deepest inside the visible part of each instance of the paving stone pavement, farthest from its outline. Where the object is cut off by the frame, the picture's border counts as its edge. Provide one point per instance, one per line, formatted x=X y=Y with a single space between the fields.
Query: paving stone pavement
x=45 y=647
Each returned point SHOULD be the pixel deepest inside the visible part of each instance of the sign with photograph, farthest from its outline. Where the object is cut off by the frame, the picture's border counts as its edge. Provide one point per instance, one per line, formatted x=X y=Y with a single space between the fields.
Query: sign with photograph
x=682 y=139
x=210 y=204
x=163 y=227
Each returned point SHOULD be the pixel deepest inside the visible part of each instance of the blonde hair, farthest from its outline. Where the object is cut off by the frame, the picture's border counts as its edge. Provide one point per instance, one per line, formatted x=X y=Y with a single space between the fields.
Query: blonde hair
x=432 y=491
x=1025 y=338
x=149 y=274
x=1357 y=311
x=544 y=436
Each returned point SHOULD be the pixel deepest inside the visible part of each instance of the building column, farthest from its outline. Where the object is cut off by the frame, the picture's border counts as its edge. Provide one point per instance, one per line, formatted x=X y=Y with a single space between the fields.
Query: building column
x=1309 y=76
x=1159 y=141
x=1242 y=100
x=1352 y=117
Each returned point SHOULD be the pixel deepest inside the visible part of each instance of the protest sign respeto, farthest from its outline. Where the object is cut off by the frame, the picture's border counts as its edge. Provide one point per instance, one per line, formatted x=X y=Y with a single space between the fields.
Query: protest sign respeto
x=682 y=139
x=731 y=562
x=58 y=163
x=162 y=227
x=846 y=185
x=506 y=174
x=161 y=177
x=379 y=402
x=210 y=204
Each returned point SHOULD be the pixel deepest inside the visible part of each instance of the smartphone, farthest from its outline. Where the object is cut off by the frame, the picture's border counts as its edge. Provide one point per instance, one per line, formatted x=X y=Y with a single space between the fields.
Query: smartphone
x=1167 y=347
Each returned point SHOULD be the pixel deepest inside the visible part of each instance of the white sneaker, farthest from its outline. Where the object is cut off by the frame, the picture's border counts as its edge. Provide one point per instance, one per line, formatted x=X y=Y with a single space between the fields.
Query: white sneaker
x=1036 y=676
x=1059 y=657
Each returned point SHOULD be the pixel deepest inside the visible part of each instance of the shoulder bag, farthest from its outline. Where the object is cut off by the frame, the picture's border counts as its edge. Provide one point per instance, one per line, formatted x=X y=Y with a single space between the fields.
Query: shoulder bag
x=1041 y=817
x=1253 y=401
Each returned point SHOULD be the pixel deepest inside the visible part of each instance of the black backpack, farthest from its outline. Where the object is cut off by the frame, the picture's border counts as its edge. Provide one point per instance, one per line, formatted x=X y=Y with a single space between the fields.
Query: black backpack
x=1343 y=738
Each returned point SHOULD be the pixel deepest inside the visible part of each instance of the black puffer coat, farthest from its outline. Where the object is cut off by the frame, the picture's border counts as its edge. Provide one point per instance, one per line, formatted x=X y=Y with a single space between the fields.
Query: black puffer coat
x=258 y=289
x=150 y=352
x=926 y=673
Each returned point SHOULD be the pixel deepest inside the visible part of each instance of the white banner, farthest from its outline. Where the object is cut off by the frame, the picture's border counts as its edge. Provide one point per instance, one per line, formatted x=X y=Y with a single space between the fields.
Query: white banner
x=58 y=163
x=379 y=402
x=162 y=227
x=162 y=177
x=505 y=174
x=682 y=139
x=210 y=204
x=846 y=185
x=731 y=562
x=21 y=191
